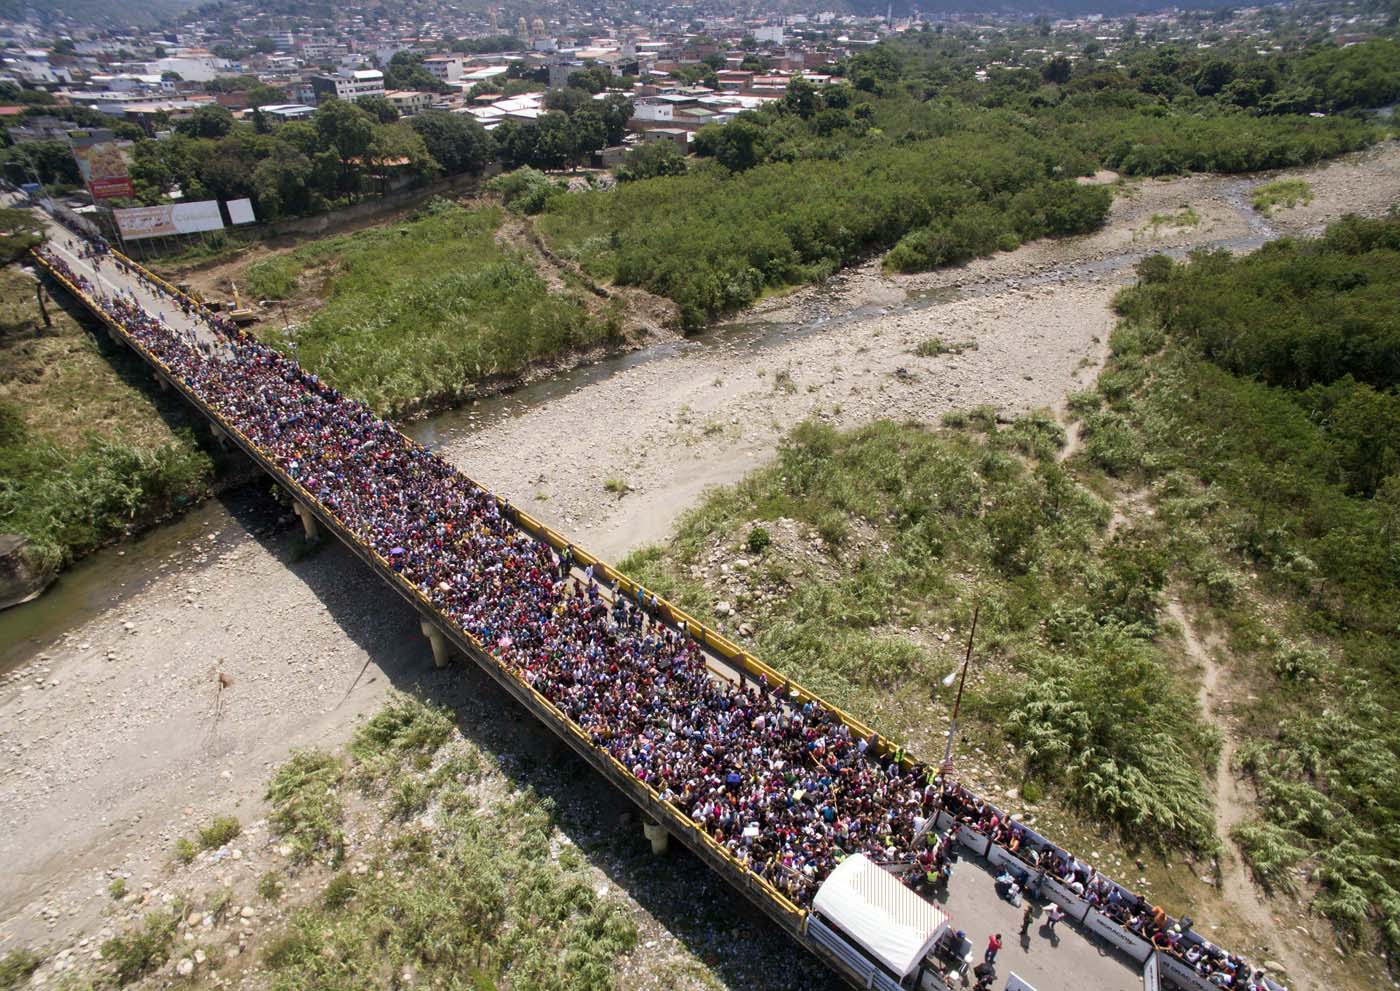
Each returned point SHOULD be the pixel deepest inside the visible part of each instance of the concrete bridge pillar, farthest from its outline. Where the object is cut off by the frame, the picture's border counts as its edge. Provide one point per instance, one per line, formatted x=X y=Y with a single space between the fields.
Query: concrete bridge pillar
x=660 y=839
x=442 y=649
x=308 y=518
x=160 y=381
x=115 y=338
x=218 y=433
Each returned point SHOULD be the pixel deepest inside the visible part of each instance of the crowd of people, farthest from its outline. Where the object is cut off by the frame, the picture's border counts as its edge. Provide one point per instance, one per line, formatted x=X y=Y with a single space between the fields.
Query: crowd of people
x=779 y=781
x=1133 y=912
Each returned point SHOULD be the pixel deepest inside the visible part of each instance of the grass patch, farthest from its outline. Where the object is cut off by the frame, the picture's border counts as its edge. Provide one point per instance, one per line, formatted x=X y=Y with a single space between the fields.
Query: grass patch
x=185 y=850
x=424 y=308
x=141 y=950
x=89 y=449
x=15 y=968
x=306 y=808
x=1286 y=193
x=1183 y=217
x=479 y=900
x=221 y=831
x=117 y=889
x=935 y=346
x=270 y=886
x=617 y=486
x=271 y=278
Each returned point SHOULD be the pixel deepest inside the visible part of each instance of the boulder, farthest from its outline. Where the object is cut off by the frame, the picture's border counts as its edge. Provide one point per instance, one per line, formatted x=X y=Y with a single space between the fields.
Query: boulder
x=19 y=580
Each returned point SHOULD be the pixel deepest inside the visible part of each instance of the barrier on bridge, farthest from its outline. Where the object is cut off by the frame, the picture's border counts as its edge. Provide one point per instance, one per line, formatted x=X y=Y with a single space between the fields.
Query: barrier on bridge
x=1112 y=933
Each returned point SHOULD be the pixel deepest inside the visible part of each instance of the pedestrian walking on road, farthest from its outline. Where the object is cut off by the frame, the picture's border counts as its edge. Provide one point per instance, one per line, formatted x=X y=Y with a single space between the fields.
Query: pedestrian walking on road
x=1056 y=914
x=993 y=945
x=1026 y=918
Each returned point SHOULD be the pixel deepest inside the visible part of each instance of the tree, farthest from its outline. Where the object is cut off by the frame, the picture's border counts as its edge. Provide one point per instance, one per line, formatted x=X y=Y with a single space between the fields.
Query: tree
x=456 y=141
x=567 y=101
x=651 y=160
x=1057 y=70
x=616 y=111
x=741 y=144
x=207 y=122
x=22 y=231
x=345 y=126
x=802 y=99
x=263 y=95
x=379 y=108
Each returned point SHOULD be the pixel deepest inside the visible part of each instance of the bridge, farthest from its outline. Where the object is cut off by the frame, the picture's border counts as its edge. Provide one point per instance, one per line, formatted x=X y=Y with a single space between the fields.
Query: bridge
x=778 y=791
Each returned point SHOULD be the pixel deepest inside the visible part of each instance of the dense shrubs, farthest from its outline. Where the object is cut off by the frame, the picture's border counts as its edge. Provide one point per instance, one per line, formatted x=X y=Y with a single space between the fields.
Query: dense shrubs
x=1273 y=420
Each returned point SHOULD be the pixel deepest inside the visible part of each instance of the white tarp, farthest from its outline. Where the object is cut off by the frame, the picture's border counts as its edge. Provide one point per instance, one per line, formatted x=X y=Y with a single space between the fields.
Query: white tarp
x=241 y=211
x=175 y=218
x=872 y=907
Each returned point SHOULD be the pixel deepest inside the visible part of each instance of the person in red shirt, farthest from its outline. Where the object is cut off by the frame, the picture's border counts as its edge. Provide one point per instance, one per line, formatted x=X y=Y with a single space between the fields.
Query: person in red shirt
x=993 y=945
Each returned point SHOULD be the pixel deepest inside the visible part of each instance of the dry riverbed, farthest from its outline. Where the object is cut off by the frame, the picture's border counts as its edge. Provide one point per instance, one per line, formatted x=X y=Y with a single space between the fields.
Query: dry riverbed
x=116 y=739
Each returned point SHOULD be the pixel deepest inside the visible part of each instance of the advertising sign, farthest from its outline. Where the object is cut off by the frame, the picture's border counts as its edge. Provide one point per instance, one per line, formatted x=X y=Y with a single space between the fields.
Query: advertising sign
x=1130 y=943
x=175 y=218
x=102 y=162
x=241 y=211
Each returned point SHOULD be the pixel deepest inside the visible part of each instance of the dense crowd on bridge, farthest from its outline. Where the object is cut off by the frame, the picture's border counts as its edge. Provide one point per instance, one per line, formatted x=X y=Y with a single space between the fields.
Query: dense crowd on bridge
x=780 y=782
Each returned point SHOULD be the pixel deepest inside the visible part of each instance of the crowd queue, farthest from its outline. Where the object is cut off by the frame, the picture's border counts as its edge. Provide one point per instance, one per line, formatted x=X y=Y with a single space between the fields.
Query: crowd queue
x=781 y=783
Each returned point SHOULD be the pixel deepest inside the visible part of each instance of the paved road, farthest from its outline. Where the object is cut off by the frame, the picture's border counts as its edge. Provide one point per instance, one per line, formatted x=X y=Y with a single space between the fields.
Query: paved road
x=110 y=280
x=1074 y=962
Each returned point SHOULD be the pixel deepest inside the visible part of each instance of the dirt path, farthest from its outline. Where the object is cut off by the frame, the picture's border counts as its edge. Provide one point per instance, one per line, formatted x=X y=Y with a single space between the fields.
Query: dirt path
x=1233 y=805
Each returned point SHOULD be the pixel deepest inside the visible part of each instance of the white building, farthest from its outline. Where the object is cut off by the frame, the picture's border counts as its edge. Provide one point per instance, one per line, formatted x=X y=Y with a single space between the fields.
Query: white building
x=447 y=68
x=352 y=84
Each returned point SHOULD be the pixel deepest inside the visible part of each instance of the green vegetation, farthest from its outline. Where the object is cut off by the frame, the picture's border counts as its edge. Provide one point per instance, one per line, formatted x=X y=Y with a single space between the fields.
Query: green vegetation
x=87 y=451
x=306 y=809
x=138 y=952
x=422 y=309
x=270 y=886
x=117 y=889
x=935 y=346
x=477 y=900
x=978 y=513
x=15 y=968
x=758 y=540
x=185 y=850
x=920 y=158
x=1286 y=193
x=1284 y=528
x=219 y=832
x=274 y=277
x=19 y=231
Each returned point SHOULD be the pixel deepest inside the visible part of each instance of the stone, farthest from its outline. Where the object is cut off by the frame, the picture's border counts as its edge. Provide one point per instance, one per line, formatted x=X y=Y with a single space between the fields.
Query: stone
x=723 y=609
x=1274 y=967
x=248 y=912
x=185 y=967
x=196 y=918
x=200 y=956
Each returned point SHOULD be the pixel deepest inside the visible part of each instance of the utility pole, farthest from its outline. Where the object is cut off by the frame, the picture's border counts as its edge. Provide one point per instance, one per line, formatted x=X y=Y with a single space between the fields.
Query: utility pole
x=947 y=767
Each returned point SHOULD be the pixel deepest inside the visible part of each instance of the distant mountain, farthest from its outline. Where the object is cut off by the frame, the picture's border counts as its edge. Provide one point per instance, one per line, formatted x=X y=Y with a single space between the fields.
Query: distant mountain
x=113 y=13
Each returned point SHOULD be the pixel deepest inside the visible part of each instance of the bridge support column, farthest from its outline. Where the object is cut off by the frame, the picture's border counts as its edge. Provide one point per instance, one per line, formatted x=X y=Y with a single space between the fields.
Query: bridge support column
x=115 y=338
x=308 y=518
x=219 y=435
x=660 y=839
x=160 y=381
x=442 y=650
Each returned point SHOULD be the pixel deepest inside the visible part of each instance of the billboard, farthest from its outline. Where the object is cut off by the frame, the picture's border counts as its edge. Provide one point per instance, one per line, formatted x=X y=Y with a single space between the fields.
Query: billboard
x=173 y=218
x=241 y=211
x=102 y=162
